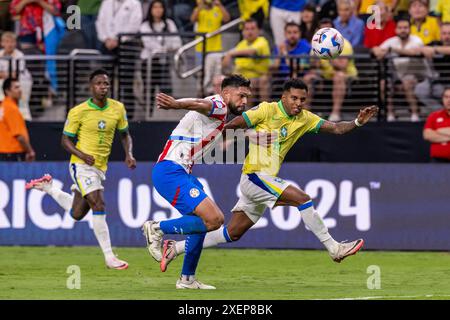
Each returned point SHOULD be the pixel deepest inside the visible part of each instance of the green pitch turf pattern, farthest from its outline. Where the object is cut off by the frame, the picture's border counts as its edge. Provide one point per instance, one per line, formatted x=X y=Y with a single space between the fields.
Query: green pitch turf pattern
x=41 y=273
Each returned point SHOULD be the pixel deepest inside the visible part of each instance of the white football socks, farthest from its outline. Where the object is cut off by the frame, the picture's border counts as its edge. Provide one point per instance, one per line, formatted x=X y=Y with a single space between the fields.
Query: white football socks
x=102 y=234
x=212 y=239
x=62 y=198
x=315 y=223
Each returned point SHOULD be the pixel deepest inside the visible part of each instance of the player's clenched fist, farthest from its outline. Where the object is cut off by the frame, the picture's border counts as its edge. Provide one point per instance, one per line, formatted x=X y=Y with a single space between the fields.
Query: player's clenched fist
x=131 y=162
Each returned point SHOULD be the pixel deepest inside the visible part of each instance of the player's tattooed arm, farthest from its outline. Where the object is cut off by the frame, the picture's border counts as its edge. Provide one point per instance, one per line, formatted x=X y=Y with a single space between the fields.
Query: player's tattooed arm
x=345 y=126
x=127 y=143
x=68 y=144
x=166 y=102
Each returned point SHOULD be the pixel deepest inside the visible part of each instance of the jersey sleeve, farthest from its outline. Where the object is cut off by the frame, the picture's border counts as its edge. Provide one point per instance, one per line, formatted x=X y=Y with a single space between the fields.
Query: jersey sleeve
x=256 y=115
x=218 y=109
x=72 y=123
x=314 y=122
x=261 y=46
x=122 y=125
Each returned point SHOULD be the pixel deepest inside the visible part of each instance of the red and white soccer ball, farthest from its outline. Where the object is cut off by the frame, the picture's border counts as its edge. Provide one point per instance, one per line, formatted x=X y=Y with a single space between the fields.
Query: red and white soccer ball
x=327 y=43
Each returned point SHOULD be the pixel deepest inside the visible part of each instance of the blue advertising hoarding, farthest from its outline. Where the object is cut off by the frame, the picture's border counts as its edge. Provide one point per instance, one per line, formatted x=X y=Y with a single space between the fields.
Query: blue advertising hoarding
x=391 y=206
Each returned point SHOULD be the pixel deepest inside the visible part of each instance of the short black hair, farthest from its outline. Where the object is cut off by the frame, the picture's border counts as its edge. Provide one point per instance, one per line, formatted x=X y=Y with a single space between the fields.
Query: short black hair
x=291 y=24
x=236 y=81
x=97 y=73
x=403 y=17
x=295 y=83
x=7 y=84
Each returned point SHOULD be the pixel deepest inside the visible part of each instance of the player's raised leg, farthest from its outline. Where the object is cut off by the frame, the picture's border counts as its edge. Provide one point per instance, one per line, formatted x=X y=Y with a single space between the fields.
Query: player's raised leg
x=293 y=196
x=45 y=184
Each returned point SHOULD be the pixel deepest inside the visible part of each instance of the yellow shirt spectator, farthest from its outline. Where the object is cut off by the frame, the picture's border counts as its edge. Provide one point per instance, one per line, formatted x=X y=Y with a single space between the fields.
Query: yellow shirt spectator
x=443 y=9
x=210 y=20
x=429 y=31
x=251 y=67
x=249 y=7
x=328 y=70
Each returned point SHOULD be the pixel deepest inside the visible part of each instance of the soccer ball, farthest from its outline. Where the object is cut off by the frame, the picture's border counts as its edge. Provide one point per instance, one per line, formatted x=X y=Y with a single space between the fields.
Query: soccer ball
x=327 y=43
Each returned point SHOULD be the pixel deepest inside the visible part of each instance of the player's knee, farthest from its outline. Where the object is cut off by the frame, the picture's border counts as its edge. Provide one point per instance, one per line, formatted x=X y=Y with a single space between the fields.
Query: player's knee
x=98 y=206
x=215 y=222
x=77 y=215
x=303 y=199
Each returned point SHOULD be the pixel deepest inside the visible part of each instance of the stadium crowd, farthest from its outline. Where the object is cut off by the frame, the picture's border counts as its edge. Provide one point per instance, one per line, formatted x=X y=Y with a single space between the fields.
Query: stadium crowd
x=415 y=32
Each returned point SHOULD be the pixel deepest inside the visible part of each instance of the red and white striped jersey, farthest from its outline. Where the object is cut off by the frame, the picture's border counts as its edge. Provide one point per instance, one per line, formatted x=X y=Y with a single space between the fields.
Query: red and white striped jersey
x=195 y=134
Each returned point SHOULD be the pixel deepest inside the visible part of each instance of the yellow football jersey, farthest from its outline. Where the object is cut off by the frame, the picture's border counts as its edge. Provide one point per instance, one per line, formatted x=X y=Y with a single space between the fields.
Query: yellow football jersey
x=210 y=20
x=94 y=128
x=443 y=9
x=272 y=117
x=253 y=67
x=429 y=31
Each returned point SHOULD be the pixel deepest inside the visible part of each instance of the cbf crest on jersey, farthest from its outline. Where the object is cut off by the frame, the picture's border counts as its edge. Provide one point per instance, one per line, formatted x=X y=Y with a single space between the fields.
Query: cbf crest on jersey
x=102 y=124
x=284 y=132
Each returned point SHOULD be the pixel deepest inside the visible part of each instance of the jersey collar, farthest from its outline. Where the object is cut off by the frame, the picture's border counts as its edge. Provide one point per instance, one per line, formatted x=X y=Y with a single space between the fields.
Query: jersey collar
x=96 y=107
x=281 y=107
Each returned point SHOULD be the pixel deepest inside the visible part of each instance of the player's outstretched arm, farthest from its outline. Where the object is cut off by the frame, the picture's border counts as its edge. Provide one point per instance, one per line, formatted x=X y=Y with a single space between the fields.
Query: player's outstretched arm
x=166 y=102
x=345 y=126
x=69 y=146
x=127 y=144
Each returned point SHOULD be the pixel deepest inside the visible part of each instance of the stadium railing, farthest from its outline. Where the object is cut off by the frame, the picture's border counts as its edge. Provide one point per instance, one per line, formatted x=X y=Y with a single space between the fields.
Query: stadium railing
x=134 y=82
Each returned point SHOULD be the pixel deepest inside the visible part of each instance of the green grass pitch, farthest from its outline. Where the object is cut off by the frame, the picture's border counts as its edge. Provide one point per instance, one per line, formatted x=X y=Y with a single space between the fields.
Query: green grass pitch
x=41 y=273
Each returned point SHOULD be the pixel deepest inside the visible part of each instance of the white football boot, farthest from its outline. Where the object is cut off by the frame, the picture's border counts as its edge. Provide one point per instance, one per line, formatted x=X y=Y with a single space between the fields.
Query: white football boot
x=192 y=283
x=346 y=249
x=154 y=239
x=115 y=263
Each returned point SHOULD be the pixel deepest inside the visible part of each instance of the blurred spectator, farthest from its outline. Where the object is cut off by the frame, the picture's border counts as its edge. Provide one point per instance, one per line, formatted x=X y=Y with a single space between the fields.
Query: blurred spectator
x=156 y=49
x=372 y=35
x=209 y=16
x=437 y=131
x=284 y=68
x=309 y=23
x=401 y=7
x=257 y=10
x=89 y=12
x=217 y=84
x=423 y=25
x=9 y=49
x=5 y=18
x=31 y=26
x=407 y=71
x=116 y=17
x=247 y=62
x=329 y=10
x=14 y=140
x=350 y=26
x=430 y=91
x=282 y=12
x=443 y=10
x=181 y=11
x=362 y=7
x=341 y=71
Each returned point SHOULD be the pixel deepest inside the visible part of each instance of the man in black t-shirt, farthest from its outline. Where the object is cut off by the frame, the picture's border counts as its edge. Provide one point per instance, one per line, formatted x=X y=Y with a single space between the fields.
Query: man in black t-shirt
x=430 y=90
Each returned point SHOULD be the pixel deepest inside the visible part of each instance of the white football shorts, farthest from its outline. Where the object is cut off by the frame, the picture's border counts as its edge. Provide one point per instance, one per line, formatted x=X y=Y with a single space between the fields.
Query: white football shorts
x=86 y=178
x=259 y=191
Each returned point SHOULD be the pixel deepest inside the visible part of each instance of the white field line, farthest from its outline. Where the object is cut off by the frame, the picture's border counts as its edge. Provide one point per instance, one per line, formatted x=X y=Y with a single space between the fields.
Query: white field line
x=391 y=297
